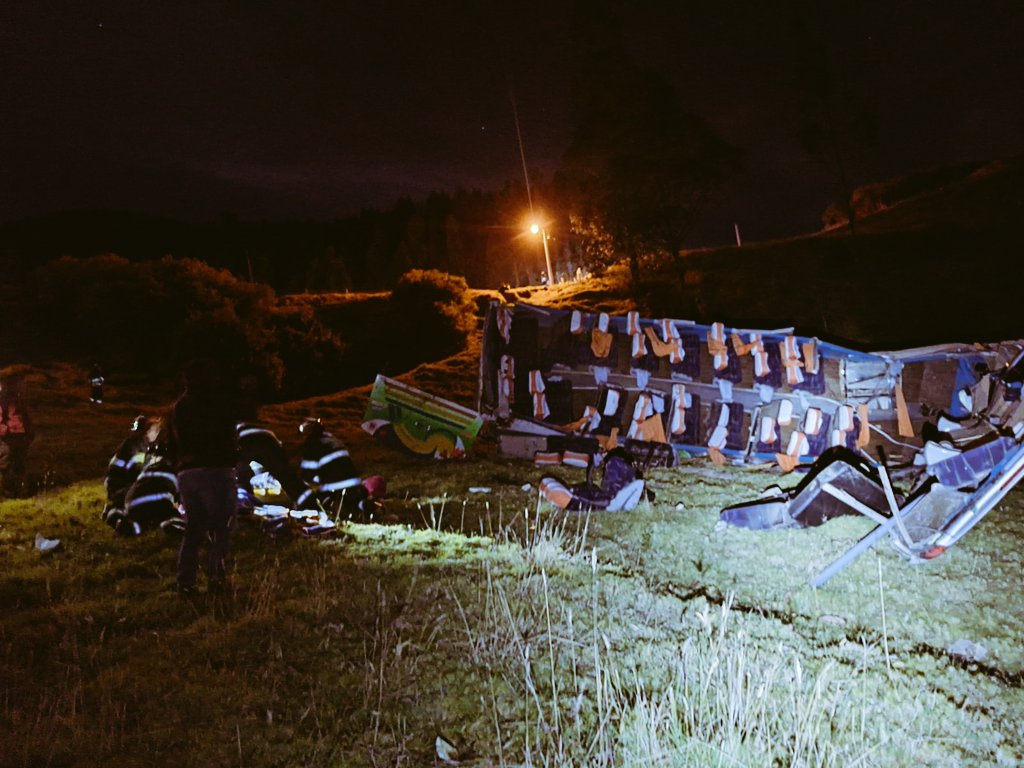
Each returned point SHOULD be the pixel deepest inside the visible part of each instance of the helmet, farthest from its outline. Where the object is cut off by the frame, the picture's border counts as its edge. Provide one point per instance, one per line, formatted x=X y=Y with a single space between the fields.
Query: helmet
x=311 y=426
x=140 y=423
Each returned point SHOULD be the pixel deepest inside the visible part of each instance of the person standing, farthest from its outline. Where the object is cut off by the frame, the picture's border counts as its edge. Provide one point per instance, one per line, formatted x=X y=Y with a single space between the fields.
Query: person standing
x=202 y=447
x=16 y=433
x=96 y=384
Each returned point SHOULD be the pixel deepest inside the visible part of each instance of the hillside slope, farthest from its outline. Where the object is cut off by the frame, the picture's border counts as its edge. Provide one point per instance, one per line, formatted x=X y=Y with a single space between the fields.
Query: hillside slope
x=938 y=268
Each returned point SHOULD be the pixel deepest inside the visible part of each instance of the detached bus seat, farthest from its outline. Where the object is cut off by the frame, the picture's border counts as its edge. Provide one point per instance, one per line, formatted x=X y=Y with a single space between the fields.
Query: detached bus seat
x=839 y=475
x=965 y=468
x=571 y=450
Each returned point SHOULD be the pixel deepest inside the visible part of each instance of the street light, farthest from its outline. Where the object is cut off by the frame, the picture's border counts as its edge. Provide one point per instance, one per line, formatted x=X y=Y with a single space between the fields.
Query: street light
x=538 y=229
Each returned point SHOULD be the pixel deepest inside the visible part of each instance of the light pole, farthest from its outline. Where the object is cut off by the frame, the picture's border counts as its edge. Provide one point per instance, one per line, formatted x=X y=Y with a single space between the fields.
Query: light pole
x=538 y=229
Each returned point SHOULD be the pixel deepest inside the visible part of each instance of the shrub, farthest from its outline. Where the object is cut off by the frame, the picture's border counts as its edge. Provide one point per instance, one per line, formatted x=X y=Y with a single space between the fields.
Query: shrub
x=431 y=313
x=153 y=316
x=834 y=216
x=91 y=309
x=313 y=357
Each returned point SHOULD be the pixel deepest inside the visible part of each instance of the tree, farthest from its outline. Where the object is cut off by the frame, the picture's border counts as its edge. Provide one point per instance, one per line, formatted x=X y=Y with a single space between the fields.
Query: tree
x=639 y=168
x=328 y=273
x=831 y=119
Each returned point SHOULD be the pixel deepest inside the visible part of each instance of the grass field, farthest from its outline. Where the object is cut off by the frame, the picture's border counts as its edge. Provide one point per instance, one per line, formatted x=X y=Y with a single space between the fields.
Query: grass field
x=520 y=634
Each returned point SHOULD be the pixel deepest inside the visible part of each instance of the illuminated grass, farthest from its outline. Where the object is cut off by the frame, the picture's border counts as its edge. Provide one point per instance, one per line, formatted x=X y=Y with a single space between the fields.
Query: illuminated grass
x=675 y=644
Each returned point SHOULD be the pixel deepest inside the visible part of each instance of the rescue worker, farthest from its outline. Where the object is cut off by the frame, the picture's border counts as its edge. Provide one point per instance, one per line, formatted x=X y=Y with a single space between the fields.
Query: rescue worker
x=152 y=499
x=333 y=484
x=260 y=450
x=16 y=433
x=96 y=384
x=126 y=464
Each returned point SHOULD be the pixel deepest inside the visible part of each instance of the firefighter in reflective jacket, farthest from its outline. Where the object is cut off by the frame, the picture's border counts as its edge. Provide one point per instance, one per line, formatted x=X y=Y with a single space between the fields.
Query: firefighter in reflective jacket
x=126 y=465
x=127 y=461
x=258 y=447
x=328 y=472
x=16 y=434
x=153 y=497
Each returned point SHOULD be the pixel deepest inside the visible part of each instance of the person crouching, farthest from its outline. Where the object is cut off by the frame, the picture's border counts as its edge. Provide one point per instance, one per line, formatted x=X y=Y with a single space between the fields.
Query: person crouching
x=152 y=499
x=125 y=465
x=333 y=483
x=259 y=446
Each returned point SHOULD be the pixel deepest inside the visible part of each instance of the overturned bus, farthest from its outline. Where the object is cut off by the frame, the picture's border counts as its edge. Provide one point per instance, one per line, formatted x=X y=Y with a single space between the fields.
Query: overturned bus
x=567 y=386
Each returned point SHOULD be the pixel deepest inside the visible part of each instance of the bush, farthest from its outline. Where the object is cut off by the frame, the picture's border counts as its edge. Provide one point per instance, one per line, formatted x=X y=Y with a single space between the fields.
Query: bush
x=431 y=313
x=314 y=357
x=153 y=316
x=834 y=216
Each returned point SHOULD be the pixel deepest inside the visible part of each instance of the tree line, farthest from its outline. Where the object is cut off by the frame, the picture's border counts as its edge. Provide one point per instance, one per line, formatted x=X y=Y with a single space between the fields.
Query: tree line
x=468 y=233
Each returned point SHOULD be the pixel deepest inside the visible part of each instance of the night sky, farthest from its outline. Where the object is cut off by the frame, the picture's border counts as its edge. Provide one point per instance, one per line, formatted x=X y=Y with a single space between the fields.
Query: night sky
x=296 y=109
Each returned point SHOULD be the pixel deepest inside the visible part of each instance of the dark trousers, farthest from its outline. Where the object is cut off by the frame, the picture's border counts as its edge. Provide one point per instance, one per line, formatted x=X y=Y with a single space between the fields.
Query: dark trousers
x=14 y=465
x=208 y=495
